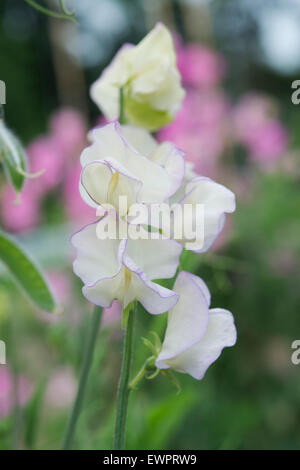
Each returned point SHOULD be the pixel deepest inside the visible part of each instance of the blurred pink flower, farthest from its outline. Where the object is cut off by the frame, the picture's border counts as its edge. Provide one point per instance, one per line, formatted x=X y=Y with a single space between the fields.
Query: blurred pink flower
x=76 y=209
x=68 y=129
x=251 y=112
x=112 y=314
x=199 y=65
x=24 y=390
x=200 y=129
x=61 y=388
x=255 y=125
x=24 y=215
x=60 y=285
x=268 y=143
x=44 y=153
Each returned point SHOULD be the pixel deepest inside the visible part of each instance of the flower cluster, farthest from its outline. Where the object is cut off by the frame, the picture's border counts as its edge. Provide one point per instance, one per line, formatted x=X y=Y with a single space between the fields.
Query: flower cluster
x=125 y=162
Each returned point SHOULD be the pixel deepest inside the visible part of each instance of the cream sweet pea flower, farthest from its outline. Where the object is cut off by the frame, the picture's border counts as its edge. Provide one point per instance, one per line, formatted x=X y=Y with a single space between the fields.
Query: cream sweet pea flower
x=164 y=154
x=124 y=269
x=216 y=200
x=127 y=161
x=195 y=334
x=187 y=188
x=148 y=76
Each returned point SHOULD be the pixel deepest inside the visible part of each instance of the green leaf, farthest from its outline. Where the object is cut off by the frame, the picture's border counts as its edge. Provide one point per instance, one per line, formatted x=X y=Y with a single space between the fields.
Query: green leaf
x=26 y=273
x=13 y=157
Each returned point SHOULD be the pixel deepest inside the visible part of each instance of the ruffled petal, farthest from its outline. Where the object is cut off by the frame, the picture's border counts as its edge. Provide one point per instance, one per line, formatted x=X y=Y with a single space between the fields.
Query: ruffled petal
x=95 y=179
x=172 y=159
x=187 y=321
x=95 y=258
x=105 y=92
x=159 y=259
x=139 y=139
x=220 y=333
x=106 y=290
x=216 y=200
x=154 y=298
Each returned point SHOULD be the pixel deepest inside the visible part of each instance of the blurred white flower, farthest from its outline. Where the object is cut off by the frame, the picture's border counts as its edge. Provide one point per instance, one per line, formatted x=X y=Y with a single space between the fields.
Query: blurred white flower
x=195 y=334
x=148 y=75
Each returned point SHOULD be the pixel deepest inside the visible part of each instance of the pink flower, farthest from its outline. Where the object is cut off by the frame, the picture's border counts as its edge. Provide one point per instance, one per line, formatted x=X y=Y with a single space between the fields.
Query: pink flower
x=7 y=391
x=199 y=65
x=44 y=153
x=60 y=285
x=251 y=112
x=23 y=216
x=68 y=129
x=61 y=388
x=256 y=126
x=112 y=314
x=269 y=143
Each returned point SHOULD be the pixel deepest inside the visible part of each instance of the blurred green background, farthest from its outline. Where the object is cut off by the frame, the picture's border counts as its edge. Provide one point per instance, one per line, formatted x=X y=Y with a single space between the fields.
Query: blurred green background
x=250 y=398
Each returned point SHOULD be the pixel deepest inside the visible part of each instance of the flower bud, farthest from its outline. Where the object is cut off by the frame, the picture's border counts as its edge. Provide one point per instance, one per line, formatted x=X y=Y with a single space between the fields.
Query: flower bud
x=149 y=79
x=13 y=157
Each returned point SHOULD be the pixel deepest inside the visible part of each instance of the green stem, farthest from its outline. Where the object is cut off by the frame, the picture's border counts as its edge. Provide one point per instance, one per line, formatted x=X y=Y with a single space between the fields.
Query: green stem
x=51 y=13
x=64 y=8
x=85 y=368
x=122 y=119
x=123 y=392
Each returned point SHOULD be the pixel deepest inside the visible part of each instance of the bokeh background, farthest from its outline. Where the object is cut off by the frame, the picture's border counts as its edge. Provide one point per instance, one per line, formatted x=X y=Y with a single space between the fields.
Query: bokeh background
x=238 y=59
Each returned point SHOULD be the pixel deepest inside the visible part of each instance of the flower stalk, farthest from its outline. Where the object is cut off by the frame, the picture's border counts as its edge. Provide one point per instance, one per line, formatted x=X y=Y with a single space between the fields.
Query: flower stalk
x=122 y=110
x=85 y=369
x=124 y=390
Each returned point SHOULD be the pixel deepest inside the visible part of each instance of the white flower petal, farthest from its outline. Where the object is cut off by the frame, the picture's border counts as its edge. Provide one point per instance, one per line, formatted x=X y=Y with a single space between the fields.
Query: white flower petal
x=217 y=197
x=151 y=76
x=107 y=142
x=110 y=146
x=216 y=200
x=156 y=182
x=95 y=258
x=105 y=92
x=169 y=94
x=106 y=290
x=158 y=43
x=159 y=259
x=139 y=139
x=95 y=179
x=221 y=332
x=172 y=159
x=187 y=321
x=154 y=298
